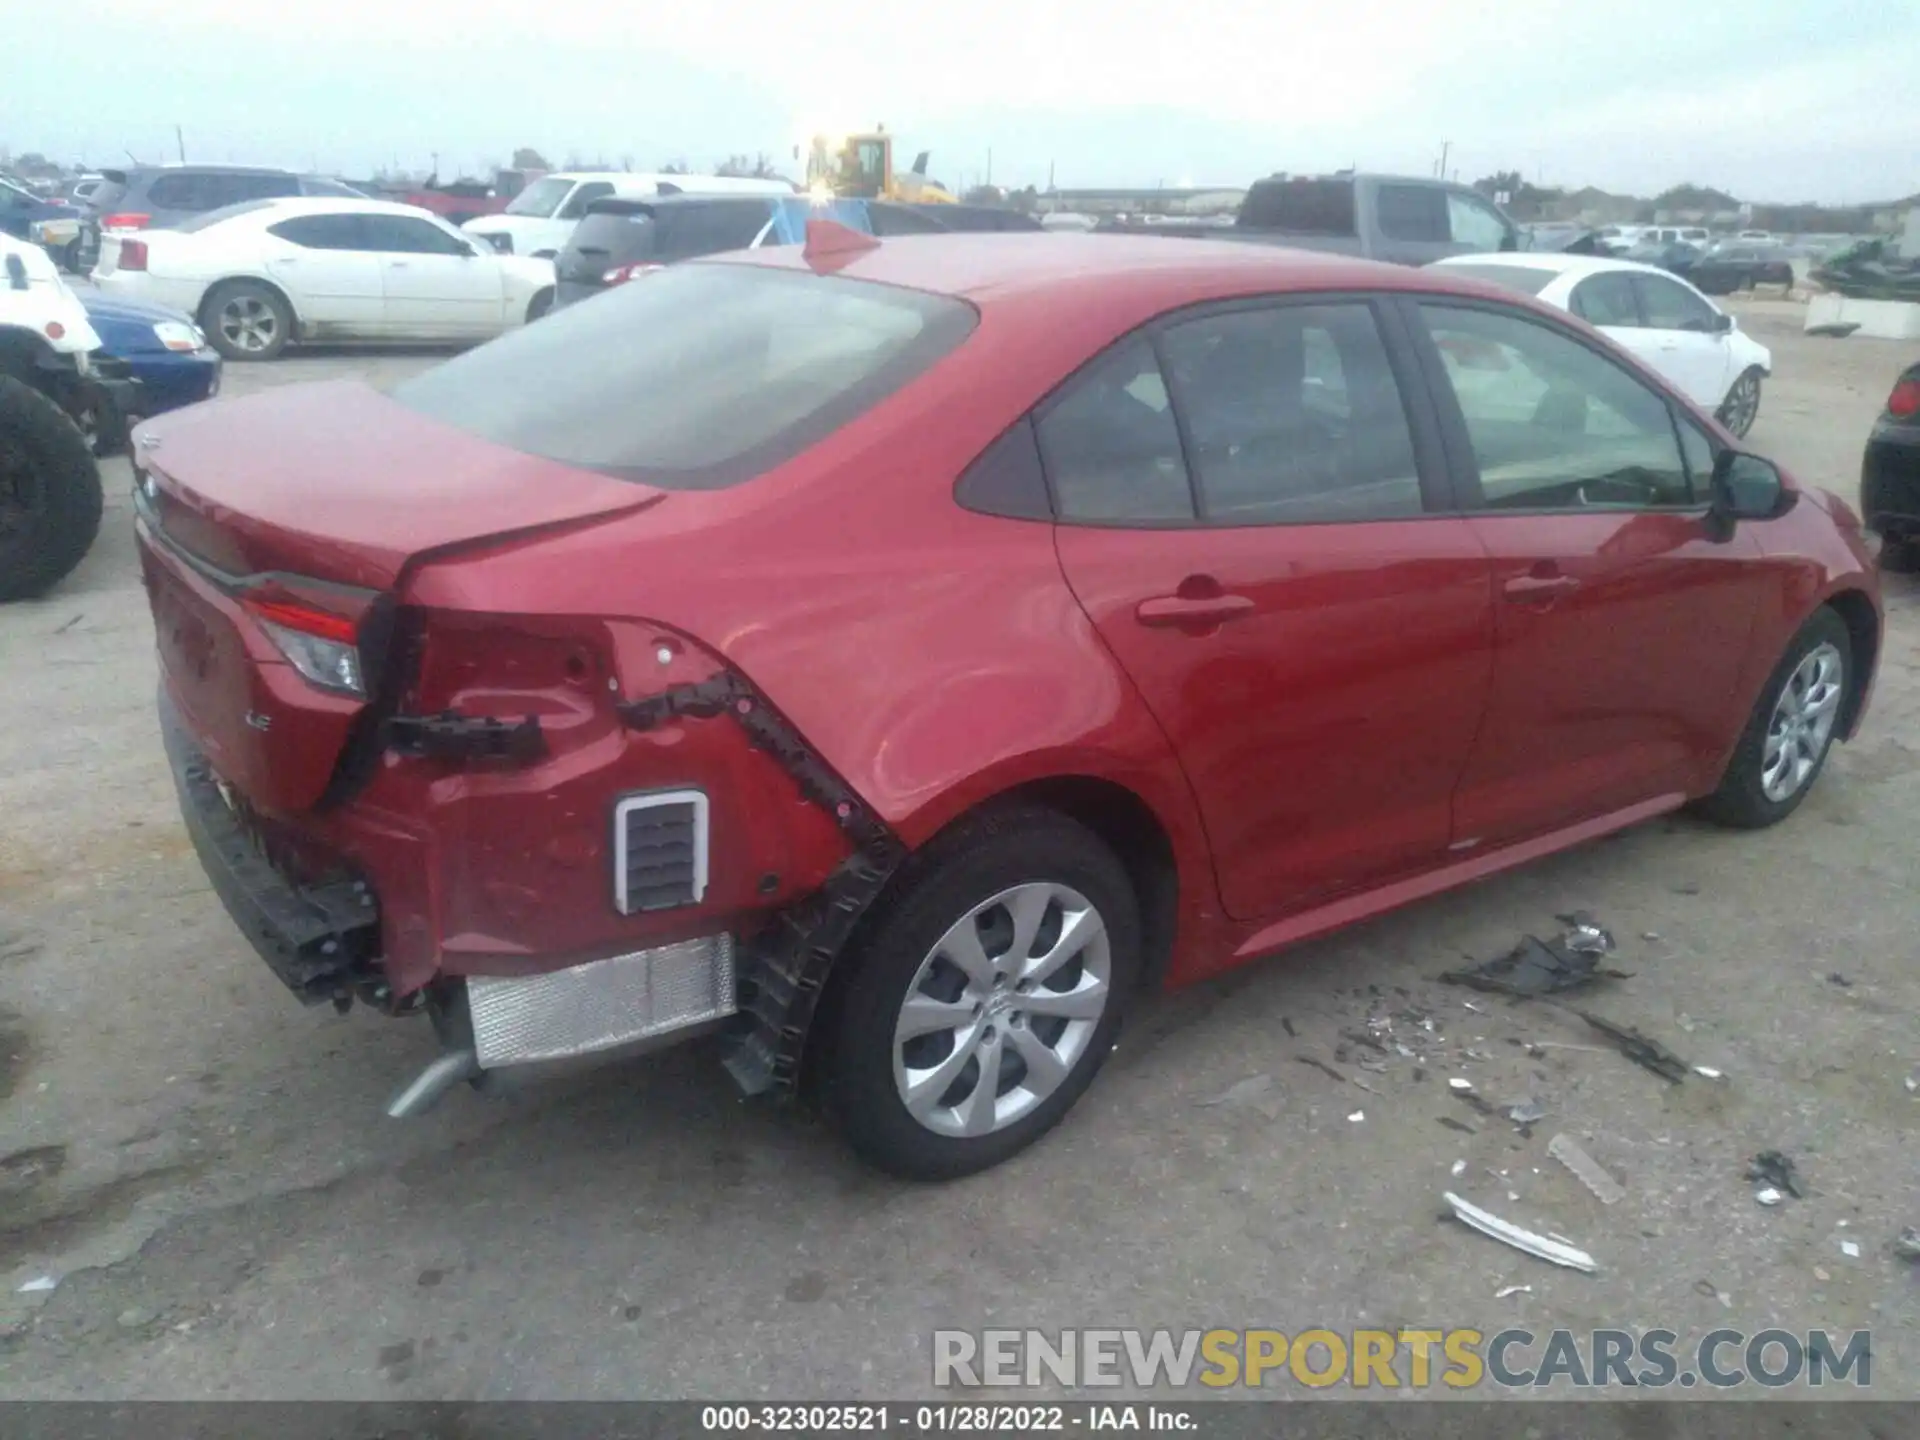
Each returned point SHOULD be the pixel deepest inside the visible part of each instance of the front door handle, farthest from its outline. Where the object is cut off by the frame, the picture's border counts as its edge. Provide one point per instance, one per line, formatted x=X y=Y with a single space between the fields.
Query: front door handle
x=1178 y=611
x=1539 y=587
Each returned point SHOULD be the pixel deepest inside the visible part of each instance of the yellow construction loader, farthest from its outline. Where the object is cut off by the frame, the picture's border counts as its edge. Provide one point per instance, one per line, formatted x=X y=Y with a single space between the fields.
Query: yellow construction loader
x=861 y=167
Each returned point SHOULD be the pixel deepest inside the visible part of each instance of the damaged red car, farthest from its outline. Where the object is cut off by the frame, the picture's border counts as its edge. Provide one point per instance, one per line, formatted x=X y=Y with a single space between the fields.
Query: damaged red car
x=898 y=655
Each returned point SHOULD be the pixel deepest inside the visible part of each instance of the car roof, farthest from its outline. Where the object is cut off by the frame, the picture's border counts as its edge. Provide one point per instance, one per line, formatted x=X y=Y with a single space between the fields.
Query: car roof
x=1554 y=260
x=997 y=267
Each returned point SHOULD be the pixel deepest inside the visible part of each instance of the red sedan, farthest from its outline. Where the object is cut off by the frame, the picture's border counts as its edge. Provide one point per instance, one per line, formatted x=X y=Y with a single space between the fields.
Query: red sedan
x=896 y=655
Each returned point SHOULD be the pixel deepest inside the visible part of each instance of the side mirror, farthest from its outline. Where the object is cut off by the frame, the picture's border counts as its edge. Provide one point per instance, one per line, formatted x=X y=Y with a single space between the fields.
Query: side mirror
x=17 y=273
x=1746 y=487
x=1722 y=323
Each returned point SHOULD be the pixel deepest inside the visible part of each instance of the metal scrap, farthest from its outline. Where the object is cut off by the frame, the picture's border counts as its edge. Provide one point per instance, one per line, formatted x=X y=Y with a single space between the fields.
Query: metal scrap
x=1537 y=967
x=1452 y=1124
x=1772 y=1168
x=1527 y=1112
x=1588 y=1171
x=1585 y=935
x=1321 y=1066
x=1526 y=1241
x=1645 y=1052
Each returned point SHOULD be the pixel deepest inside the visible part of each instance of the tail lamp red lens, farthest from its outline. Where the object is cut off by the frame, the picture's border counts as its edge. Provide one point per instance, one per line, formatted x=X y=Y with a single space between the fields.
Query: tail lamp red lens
x=133 y=255
x=322 y=645
x=1904 y=402
x=126 y=220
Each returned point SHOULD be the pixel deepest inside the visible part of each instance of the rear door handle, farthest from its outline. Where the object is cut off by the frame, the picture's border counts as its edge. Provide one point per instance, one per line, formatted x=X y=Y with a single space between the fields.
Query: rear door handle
x=1539 y=587
x=1173 y=611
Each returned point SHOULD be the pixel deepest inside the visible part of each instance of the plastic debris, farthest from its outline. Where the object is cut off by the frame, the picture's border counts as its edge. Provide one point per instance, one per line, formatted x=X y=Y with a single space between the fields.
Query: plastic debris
x=1459 y=1082
x=1709 y=1072
x=1820 y=1274
x=1585 y=935
x=1907 y=1243
x=1772 y=1168
x=1321 y=1066
x=1850 y=1249
x=1767 y=1195
x=1505 y=1290
x=1538 y=967
x=1587 y=1170
x=1508 y=1233
x=1459 y=1168
x=1357 y=1116
x=39 y=1286
x=1527 y=1112
x=1913 y=1084
x=1650 y=1054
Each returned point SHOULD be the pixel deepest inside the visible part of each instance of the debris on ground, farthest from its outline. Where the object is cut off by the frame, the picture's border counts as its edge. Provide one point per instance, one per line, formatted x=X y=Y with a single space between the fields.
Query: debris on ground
x=1246 y=1092
x=1820 y=1274
x=1505 y=1290
x=1459 y=1168
x=1836 y=978
x=1638 y=1048
x=1539 y=1246
x=1321 y=1066
x=1372 y=1042
x=1587 y=1170
x=1709 y=1072
x=1527 y=1112
x=1767 y=1195
x=1461 y=1083
x=1776 y=1171
x=1834 y=329
x=1287 y=1025
x=1907 y=1243
x=38 y=1287
x=1585 y=935
x=1357 y=1116
x=1452 y=1124
x=1713 y=1292
x=1537 y=967
x=1850 y=1249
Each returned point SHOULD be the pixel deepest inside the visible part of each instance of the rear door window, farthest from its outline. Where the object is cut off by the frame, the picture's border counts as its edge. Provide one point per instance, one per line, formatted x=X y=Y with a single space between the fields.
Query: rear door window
x=1111 y=445
x=406 y=235
x=1607 y=299
x=181 y=192
x=322 y=232
x=1293 y=415
x=702 y=377
x=1413 y=212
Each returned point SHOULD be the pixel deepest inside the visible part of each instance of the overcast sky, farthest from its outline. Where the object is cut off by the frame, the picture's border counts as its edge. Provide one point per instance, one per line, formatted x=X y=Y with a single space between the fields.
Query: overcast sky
x=1769 y=99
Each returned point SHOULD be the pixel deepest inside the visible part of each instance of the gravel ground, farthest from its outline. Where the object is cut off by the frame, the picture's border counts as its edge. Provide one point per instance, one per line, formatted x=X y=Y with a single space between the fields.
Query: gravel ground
x=204 y=1169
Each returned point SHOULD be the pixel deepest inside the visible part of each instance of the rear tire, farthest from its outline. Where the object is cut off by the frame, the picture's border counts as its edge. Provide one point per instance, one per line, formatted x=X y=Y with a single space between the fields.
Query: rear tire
x=246 y=320
x=50 y=494
x=1067 y=893
x=1742 y=406
x=1789 y=735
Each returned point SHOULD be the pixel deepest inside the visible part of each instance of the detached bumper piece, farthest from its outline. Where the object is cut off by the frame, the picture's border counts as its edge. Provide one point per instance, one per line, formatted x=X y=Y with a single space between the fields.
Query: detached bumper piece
x=786 y=965
x=322 y=941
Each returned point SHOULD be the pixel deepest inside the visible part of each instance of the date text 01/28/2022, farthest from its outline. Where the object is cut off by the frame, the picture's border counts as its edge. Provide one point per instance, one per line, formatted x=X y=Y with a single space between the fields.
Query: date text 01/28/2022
x=938 y=1419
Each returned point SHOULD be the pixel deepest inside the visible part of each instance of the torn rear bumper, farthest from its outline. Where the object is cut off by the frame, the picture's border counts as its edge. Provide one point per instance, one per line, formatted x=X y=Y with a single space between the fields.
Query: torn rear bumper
x=322 y=941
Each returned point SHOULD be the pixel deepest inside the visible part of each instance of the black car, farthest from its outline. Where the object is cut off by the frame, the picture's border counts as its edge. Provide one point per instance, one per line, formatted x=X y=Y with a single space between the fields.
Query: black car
x=1721 y=271
x=1890 y=475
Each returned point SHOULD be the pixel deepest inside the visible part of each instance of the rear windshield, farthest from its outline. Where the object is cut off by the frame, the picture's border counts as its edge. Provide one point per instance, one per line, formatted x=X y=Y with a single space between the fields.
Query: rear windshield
x=1306 y=207
x=696 y=377
x=1527 y=279
x=208 y=218
x=606 y=237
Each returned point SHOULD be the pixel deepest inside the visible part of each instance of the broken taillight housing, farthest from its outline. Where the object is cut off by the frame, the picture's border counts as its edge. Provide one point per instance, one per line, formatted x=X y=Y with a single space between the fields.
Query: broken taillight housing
x=1904 y=402
x=323 y=646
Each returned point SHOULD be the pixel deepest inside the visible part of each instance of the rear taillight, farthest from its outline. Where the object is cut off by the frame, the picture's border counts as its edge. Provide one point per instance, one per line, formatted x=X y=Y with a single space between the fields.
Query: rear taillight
x=621 y=274
x=133 y=255
x=322 y=645
x=126 y=220
x=1904 y=402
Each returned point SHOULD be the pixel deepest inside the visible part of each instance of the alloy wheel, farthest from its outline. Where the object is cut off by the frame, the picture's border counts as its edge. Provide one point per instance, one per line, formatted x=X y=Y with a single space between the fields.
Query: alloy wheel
x=1002 y=1009
x=1802 y=723
x=1742 y=405
x=249 y=323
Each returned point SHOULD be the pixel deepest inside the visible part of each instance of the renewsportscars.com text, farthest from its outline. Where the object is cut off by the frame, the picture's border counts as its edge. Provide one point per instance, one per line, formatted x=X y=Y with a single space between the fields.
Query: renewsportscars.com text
x=1459 y=1359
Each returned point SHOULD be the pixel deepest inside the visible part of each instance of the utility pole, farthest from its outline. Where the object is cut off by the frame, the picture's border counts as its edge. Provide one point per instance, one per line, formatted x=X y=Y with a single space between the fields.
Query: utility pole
x=989 y=165
x=1445 y=146
x=180 y=144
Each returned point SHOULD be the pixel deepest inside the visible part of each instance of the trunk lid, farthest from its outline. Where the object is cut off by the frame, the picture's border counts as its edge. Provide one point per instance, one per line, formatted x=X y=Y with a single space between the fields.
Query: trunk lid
x=317 y=494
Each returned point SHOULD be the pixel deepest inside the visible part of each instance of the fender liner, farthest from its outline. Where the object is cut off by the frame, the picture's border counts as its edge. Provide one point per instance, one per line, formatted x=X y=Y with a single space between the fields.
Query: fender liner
x=785 y=965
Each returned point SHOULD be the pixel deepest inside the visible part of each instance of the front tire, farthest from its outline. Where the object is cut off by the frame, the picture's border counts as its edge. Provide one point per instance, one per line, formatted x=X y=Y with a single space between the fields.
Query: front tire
x=50 y=495
x=1742 y=405
x=985 y=995
x=246 y=320
x=1790 y=733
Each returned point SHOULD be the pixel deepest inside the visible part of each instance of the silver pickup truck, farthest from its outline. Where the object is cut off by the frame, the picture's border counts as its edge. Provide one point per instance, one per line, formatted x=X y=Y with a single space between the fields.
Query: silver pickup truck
x=1403 y=219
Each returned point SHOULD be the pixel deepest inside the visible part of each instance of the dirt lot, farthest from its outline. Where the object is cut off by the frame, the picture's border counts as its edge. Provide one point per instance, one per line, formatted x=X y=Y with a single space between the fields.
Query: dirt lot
x=204 y=1169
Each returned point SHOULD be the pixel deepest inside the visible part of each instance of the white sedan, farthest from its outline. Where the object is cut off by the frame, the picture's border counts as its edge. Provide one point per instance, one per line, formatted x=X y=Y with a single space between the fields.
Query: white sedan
x=266 y=273
x=1663 y=321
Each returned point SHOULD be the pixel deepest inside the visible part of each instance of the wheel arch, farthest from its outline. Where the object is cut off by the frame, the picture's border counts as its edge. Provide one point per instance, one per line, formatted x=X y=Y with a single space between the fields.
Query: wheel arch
x=1862 y=619
x=249 y=277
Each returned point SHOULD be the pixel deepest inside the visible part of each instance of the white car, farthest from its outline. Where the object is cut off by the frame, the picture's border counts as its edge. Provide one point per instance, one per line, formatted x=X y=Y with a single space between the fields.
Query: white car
x=1663 y=321
x=540 y=219
x=265 y=273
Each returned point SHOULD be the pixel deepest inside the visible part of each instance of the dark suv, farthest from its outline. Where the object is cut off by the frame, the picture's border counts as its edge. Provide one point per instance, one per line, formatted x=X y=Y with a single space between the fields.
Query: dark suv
x=152 y=197
x=617 y=239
